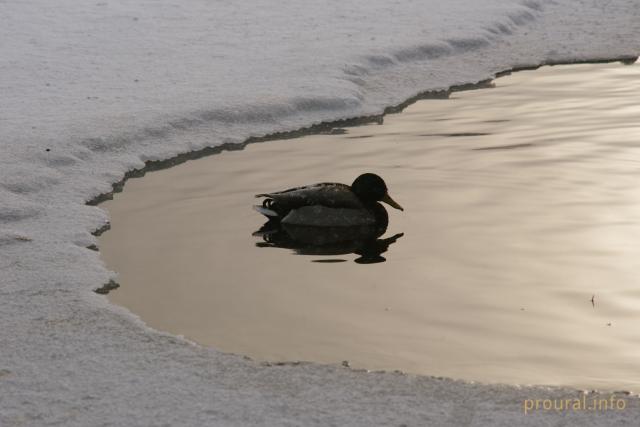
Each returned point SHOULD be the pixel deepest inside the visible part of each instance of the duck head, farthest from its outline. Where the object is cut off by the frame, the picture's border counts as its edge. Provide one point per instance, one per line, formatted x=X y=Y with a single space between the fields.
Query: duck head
x=369 y=187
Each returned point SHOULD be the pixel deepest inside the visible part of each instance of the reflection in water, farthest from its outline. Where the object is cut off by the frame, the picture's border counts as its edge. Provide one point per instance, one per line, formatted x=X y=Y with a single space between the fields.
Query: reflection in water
x=362 y=240
x=522 y=203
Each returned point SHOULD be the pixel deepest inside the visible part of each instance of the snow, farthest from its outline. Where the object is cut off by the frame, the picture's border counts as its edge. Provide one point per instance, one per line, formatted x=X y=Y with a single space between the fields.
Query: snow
x=91 y=90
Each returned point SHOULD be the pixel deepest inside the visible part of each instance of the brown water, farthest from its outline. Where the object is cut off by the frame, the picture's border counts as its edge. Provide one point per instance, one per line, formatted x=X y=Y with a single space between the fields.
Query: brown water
x=522 y=203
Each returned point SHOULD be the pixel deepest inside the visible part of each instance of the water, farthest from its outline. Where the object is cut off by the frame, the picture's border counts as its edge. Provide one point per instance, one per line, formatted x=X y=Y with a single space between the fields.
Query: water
x=515 y=260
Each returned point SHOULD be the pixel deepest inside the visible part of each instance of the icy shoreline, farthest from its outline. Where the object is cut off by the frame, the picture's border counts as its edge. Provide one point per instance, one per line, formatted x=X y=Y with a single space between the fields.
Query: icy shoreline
x=68 y=356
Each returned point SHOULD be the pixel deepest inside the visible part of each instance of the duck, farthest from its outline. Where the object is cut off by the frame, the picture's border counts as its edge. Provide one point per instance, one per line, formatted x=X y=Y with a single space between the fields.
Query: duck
x=331 y=204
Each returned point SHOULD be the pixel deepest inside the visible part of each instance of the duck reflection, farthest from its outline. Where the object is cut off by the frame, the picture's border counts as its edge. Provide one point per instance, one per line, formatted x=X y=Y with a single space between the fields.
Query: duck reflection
x=362 y=240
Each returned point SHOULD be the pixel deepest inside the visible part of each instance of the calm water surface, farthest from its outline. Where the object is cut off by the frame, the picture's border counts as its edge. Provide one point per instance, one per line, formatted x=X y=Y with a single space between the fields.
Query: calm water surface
x=519 y=261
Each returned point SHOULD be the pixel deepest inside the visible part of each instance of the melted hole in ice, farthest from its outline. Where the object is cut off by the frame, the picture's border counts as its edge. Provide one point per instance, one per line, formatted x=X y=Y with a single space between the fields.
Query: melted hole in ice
x=518 y=261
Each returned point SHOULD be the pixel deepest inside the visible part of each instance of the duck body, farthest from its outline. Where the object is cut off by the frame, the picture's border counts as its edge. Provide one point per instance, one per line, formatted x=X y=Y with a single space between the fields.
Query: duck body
x=330 y=204
x=322 y=216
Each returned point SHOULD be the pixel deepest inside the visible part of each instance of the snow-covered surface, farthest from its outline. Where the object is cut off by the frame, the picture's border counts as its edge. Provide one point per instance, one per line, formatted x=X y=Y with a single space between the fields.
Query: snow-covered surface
x=90 y=90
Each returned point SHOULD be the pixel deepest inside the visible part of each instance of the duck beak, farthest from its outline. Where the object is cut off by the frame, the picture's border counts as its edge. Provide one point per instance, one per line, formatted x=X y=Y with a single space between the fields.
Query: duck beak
x=388 y=200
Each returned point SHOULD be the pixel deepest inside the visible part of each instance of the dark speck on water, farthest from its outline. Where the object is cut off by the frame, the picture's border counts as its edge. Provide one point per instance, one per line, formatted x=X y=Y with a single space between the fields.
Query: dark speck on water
x=456 y=134
x=504 y=147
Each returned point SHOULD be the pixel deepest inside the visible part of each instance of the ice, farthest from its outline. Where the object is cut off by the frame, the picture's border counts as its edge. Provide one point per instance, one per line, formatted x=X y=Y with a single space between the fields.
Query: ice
x=91 y=90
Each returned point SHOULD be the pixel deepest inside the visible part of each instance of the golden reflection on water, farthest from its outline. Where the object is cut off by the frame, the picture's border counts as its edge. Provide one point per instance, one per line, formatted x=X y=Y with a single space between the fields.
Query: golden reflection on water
x=521 y=203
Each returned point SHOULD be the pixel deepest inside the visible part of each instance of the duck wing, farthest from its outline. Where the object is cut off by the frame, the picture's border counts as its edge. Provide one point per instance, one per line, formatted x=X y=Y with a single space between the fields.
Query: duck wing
x=328 y=194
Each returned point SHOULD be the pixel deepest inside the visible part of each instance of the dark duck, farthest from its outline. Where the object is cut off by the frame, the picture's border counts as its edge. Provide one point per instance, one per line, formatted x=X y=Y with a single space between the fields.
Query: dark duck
x=331 y=204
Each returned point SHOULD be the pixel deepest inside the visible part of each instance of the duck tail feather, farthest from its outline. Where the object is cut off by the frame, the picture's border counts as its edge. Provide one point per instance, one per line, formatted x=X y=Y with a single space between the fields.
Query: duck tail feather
x=266 y=212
